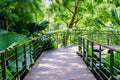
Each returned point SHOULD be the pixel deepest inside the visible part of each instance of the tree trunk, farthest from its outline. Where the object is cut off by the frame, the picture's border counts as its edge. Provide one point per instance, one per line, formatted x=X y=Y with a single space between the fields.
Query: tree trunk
x=66 y=36
x=74 y=14
x=6 y=24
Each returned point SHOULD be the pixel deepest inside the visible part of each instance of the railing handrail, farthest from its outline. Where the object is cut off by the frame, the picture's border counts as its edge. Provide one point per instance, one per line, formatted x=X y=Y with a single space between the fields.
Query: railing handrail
x=17 y=45
x=2 y=51
x=106 y=46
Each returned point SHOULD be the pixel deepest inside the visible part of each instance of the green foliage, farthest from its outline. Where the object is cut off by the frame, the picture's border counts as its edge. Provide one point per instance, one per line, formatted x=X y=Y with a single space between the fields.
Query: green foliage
x=55 y=44
x=8 y=74
x=92 y=15
x=35 y=27
x=43 y=25
x=20 y=12
x=47 y=43
x=65 y=12
x=116 y=16
x=10 y=39
x=116 y=2
x=6 y=9
x=8 y=15
x=117 y=60
x=89 y=52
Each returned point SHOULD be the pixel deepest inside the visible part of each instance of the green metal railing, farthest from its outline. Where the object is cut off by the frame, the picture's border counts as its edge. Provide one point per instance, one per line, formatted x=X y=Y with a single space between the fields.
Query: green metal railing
x=105 y=65
x=107 y=38
x=65 y=38
x=15 y=62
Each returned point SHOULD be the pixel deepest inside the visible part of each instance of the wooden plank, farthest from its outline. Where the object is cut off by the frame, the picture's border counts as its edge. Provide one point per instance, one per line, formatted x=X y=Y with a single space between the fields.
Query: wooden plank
x=60 y=64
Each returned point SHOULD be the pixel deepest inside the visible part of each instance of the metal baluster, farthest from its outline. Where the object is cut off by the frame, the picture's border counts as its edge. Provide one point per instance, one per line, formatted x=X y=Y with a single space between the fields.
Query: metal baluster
x=79 y=47
x=87 y=49
x=83 y=49
x=16 y=54
x=92 y=46
x=57 y=40
x=111 y=65
x=3 y=66
x=25 y=62
x=70 y=38
x=108 y=39
x=99 y=56
x=30 y=53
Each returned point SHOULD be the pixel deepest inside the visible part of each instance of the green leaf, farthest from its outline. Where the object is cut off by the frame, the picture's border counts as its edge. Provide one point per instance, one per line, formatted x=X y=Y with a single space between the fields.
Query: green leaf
x=7 y=39
x=35 y=27
x=8 y=74
x=43 y=25
x=89 y=51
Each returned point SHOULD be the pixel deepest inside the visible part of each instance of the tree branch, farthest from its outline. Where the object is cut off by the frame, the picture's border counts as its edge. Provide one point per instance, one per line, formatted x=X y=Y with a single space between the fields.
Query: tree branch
x=77 y=20
x=63 y=20
x=70 y=10
x=74 y=15
x=58 y=12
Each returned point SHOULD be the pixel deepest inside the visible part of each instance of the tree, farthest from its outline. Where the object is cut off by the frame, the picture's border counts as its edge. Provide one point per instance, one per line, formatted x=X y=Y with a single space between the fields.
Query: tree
x=67 y=11
x=17 y=13
x=6 y=15
x=29 y=11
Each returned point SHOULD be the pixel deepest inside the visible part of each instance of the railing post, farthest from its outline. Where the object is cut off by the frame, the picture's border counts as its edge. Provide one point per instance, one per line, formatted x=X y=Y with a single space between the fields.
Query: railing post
x=108 y=41
x=3 y=66
x=83 y=40
x=16 y=54
x=111 y=65
x=79 y=43
x=87 y=49
x=92 y=46
x=61 y=37
x=25 y=62
x=99 y=56
x=33 y=54
x=58 y=40
x=70 y=37
x=30 y=53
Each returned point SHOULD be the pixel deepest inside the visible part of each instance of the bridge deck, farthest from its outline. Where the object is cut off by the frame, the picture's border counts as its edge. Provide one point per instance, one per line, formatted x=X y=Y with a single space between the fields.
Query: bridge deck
x=60 y=64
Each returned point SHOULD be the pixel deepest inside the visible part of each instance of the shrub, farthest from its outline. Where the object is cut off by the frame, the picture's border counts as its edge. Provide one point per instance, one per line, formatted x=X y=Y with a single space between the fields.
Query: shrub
x=48 y=43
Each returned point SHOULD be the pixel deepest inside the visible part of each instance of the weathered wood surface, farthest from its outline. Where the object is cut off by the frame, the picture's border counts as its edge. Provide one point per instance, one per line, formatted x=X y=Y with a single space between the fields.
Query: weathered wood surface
x=60 y=64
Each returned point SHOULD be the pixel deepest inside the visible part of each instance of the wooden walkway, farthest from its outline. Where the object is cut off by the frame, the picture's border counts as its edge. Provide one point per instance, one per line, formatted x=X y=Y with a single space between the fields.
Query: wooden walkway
x=60 y=64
